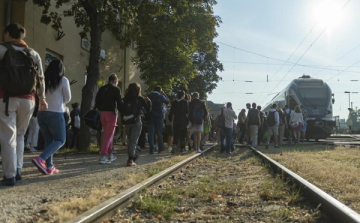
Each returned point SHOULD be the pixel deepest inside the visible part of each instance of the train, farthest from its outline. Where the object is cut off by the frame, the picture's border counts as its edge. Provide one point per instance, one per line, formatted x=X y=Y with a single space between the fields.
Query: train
x=316 y=97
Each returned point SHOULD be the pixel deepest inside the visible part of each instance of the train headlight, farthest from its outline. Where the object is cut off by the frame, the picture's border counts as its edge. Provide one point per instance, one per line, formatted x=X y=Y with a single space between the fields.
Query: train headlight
x=328 y=112
x=319 y=123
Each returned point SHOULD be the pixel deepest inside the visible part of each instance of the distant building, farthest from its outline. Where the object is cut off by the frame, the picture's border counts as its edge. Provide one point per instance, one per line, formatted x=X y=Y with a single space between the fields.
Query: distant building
x=214 y=109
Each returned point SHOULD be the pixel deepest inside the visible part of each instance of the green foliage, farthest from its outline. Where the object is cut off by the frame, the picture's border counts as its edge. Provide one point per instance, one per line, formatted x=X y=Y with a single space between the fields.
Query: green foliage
x=175 y=47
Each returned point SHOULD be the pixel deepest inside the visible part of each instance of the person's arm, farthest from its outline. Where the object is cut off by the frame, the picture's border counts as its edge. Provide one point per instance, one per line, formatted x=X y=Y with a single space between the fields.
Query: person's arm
x=164 y=98
x=66 y=90
x=277 y=118
x=234 y=114
x=41 y=90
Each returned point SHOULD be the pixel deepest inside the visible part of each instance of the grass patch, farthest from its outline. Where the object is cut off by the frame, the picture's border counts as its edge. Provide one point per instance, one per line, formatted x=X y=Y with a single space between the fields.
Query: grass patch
x=336 y=170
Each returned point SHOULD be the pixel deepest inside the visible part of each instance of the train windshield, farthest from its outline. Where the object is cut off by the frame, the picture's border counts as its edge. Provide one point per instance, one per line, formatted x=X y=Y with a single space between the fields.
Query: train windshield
x=314 y=96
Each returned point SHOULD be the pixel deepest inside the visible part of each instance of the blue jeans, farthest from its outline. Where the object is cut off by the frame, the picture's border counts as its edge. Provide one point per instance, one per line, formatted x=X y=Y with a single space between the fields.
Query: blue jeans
x=156 y=126
x=52 y=126
x=229 y=139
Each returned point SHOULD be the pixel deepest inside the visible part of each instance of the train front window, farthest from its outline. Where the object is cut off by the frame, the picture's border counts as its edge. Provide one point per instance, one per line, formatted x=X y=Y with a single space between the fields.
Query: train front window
x=313 y=96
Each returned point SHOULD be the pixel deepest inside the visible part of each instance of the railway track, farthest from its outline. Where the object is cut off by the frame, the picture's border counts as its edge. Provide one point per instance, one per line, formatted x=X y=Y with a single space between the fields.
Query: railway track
x=329 y=205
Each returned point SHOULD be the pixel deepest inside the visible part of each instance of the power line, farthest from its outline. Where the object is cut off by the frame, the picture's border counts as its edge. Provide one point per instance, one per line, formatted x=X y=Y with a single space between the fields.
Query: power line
x=337 y=60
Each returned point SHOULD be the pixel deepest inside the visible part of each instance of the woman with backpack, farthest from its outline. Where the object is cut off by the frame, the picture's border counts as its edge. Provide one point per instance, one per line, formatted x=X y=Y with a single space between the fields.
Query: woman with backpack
x=296 y=120
x=52 y=121
x=133 y=106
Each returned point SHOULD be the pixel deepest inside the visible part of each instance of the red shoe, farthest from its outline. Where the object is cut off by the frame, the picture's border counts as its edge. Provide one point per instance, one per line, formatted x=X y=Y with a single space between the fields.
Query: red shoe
x=40 y=164
x=52 y=171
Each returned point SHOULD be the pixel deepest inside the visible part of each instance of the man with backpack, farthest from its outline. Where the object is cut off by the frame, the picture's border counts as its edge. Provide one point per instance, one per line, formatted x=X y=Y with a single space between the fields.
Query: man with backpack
x=197 y=115
x=17 y=97
x=254 y=122
x=272 y=122
x=262 y=126
x=158 y=99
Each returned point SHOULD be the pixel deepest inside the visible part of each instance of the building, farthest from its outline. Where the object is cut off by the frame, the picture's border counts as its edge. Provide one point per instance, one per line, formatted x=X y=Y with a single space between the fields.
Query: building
x=69 y=46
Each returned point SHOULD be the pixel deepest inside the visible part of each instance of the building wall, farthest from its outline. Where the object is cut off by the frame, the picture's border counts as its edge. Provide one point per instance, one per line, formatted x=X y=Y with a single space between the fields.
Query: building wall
x=42 y=38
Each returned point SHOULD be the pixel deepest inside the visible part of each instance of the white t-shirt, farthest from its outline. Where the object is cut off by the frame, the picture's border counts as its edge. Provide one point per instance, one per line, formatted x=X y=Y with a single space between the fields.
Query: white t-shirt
x=58 y=99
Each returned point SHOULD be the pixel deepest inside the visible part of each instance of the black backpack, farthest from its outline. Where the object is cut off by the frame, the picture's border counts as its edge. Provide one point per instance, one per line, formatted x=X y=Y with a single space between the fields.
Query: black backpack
x=253 y=117
x=18 y=73
x=221 y=120
x=197 y=114
x=270 y=121
x=131 y=110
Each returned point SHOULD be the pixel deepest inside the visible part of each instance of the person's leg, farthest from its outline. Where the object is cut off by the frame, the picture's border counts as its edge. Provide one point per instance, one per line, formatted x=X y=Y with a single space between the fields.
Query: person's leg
x=31 y=133
x=109 y=120
x=74 y=137
x=228 y=133
x=151 y=134
x=24 y=112
x=8 y=139
x=159 y=131
x=254 y=133
x=281 y=134
x=133 y=135
x=53 y=124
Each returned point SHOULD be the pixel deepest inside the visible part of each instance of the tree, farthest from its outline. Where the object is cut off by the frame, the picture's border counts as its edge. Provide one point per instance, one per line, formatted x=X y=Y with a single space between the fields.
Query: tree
x=94 y=16
x=175 y=47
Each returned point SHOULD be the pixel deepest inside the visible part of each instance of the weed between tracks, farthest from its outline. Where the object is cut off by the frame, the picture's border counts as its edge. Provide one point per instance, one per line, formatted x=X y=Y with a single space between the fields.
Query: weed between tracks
x=221 y=188
x=336 y=170
x=62 y=211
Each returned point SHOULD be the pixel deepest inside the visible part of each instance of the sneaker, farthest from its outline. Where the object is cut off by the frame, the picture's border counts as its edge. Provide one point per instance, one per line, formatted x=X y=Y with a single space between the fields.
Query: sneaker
x=18 y=175
x=130 y=163
x=52 y=171
x=104 y=160
x=32 y=149
x=112 y=157
x=267 y=146
x=40 y=164
x=199 y=150
x=10 y=181
x=169 y=149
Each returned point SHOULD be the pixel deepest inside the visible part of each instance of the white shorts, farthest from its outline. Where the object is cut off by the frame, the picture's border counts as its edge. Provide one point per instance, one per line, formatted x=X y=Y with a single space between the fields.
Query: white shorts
x=197 y=127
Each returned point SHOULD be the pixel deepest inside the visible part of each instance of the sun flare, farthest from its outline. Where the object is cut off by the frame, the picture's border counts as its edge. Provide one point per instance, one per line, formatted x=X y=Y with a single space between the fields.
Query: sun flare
x=328 y=13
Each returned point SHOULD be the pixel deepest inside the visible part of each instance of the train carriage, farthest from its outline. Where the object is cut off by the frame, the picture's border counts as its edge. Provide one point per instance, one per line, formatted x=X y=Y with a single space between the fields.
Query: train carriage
x=316 y=97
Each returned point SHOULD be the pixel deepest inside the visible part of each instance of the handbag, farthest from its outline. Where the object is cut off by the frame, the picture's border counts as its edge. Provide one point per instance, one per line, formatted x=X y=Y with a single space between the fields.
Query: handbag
x=92 y=119
x=294 y=124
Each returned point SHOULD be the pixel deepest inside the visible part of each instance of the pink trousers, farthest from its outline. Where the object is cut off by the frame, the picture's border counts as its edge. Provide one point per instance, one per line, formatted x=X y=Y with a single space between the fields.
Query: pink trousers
x=108 y=121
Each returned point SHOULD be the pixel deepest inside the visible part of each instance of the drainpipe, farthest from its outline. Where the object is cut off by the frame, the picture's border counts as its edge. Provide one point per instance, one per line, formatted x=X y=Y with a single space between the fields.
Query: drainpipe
x=8 y=13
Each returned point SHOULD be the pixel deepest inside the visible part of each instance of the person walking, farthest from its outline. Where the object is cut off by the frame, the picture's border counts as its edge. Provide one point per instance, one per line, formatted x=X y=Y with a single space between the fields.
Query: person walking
x=254 y=123
x=261 y=126
x=282 y=126
x=296 y=120
x=158 y=99
x=304 y=124
x=133 y=106
x=179 y=119
x=15 y=114
x=74 y=123
x=52 y=121
x=288 y=112
x=197 y=114
x=108 y=102
x=230 y=115
x=242 y=125
x=272 y=122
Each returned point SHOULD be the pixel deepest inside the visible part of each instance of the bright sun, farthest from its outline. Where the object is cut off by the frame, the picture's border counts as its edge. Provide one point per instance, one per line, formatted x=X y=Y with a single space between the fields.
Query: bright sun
x=328 y=13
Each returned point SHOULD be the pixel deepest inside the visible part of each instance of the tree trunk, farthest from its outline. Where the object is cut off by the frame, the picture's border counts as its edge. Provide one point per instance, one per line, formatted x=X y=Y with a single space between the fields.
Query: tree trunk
x=88 y=91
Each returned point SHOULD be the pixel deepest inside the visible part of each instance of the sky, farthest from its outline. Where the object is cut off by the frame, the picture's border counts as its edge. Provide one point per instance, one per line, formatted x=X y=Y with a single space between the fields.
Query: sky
x=280 y=40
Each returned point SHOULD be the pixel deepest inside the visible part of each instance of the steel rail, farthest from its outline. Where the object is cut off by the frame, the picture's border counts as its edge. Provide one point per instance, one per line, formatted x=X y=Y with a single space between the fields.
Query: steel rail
x=331 y=206
x=98 y=212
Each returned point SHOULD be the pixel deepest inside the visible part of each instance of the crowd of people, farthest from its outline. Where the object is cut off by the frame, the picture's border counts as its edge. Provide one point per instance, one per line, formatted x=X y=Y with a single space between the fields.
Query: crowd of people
x=254 y=126
x=183 y=124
